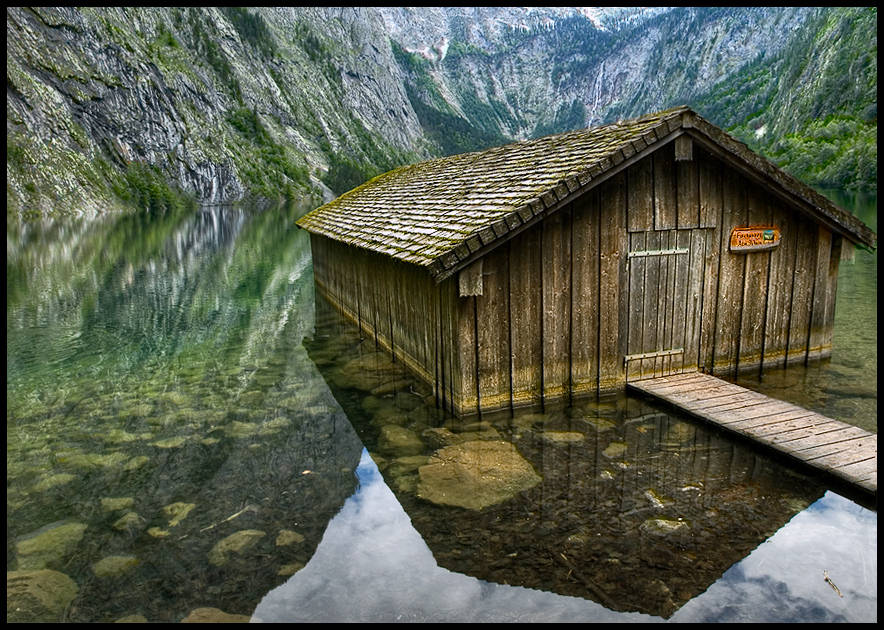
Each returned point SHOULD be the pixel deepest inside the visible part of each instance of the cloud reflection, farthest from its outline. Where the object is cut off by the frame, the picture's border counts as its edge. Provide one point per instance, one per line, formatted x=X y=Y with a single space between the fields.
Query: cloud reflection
x=782 y=580
x=373 y=566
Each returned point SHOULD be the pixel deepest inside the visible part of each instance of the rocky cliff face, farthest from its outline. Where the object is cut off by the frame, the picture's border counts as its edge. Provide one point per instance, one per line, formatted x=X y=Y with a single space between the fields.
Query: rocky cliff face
x=109 y=104
x=578 y=69
x=221 y=102
x=798 y=84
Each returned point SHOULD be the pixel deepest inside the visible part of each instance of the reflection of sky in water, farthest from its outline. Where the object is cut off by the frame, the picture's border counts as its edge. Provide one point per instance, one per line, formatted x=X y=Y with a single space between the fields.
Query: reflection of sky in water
x=782 y=580
x=372 y=565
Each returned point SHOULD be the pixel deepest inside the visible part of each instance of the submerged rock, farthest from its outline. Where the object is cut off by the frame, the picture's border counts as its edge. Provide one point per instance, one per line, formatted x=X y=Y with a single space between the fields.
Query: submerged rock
x=239 y=430
x=235 y=543
x=440 y=437
x=287 y=537
x=128 y=522
x=48 y=545
x=214 y=615
x=38 y=596
x=562 y=437
x=172 y=442
x=53 y=481
x=663 y=527
x=287 y=570
x=389 y=414
x=405 y=483
x=274 y=426
x=405 y=465
x=366 y=372
x=112 y=504
x=600 y=424
x=91 y=461
x=177 y=512
x=114 y=566
x=118 y=436
x=371 y=404
x=475 y=474
x=615 y=449
x=657 y=500
x=391 y=387
x=136 y=462
x=399 y=441
x=251 y=398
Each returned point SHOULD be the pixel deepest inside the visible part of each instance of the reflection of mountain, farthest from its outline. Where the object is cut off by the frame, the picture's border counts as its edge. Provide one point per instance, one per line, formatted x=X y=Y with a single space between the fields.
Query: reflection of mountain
x=636 y=510
x=169 y=378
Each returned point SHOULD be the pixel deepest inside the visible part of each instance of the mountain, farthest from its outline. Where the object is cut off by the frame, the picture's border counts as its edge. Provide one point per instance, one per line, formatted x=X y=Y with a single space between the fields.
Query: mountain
x=109 y=106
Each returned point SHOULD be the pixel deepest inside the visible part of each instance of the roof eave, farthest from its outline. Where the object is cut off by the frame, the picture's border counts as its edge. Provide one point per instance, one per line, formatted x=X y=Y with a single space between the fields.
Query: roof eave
x=787 y=187
x=683 y=121
x=564 y=193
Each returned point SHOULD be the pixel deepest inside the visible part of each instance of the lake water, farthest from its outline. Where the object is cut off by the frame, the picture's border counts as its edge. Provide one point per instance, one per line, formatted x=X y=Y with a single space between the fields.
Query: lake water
x=190 y=428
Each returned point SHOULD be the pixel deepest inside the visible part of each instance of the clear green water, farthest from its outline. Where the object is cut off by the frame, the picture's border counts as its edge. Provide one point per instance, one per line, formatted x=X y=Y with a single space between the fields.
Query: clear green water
x=189 y=427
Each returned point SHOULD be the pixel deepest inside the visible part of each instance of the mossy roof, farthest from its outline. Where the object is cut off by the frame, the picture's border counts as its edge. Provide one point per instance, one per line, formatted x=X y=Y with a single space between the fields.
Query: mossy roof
x=443 y=213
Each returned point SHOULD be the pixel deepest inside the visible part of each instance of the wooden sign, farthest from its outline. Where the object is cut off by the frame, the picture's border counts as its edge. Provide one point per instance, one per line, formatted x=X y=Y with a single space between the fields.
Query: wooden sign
x=754 y=239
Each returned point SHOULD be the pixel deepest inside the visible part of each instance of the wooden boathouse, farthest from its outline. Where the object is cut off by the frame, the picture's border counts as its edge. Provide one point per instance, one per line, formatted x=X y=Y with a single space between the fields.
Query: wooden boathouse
x=576 y=263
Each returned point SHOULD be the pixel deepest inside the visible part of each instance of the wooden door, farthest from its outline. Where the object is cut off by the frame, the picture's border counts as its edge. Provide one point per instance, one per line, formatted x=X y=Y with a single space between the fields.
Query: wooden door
x=665 y=287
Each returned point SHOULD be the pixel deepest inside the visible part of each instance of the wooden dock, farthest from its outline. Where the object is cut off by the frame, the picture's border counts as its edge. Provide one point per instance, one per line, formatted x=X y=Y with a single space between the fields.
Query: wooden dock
x=837 y=448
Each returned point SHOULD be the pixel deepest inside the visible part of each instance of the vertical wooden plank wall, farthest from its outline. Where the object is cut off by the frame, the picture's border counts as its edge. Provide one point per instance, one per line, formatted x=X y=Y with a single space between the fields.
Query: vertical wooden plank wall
x=665 y=289
x=493 y=363
x=711 y=208
x=759 y=308
x=665 y=204
x=831 y=290
x=637 y=286
x=448 y=365
x=802 y=291
x=755 y=288
x=780 y=289
x=555 y=283
x=585 y=233
x=613 y=309
x=547 y=325
x=731 y=272
x=526 y=308
x=397 y=305
x=818 y=316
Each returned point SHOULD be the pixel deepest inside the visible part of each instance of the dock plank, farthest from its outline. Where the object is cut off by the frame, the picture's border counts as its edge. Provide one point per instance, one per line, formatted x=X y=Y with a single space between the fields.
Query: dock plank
x=826 y=444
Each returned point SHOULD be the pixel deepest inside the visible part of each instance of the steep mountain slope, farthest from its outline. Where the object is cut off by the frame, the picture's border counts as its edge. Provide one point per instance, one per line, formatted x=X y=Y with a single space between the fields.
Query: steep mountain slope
x=813 y=106
x=806 y=78
x=146 y=105
x=531 y=78
x=219 y=102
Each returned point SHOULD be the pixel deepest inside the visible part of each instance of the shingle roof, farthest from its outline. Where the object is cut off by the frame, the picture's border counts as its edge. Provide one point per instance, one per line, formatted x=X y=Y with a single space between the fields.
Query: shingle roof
x=440 y=212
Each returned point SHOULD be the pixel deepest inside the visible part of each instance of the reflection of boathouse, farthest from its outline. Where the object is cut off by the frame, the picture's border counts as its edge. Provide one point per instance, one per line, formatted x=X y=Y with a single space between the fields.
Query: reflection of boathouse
x=642 y=514
x=574 y=263
x=627 y=506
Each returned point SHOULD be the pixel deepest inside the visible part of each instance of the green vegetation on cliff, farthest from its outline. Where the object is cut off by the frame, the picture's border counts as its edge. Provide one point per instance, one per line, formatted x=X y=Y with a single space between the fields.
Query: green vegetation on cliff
x=813 y=108
x=145 y=187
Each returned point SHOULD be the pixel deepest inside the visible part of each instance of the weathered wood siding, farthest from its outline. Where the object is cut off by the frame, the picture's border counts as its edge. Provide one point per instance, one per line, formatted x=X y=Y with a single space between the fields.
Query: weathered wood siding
x=763 y=309
x=399 y=306
x=633 y=279
x=578 y=304
x=547 y=324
